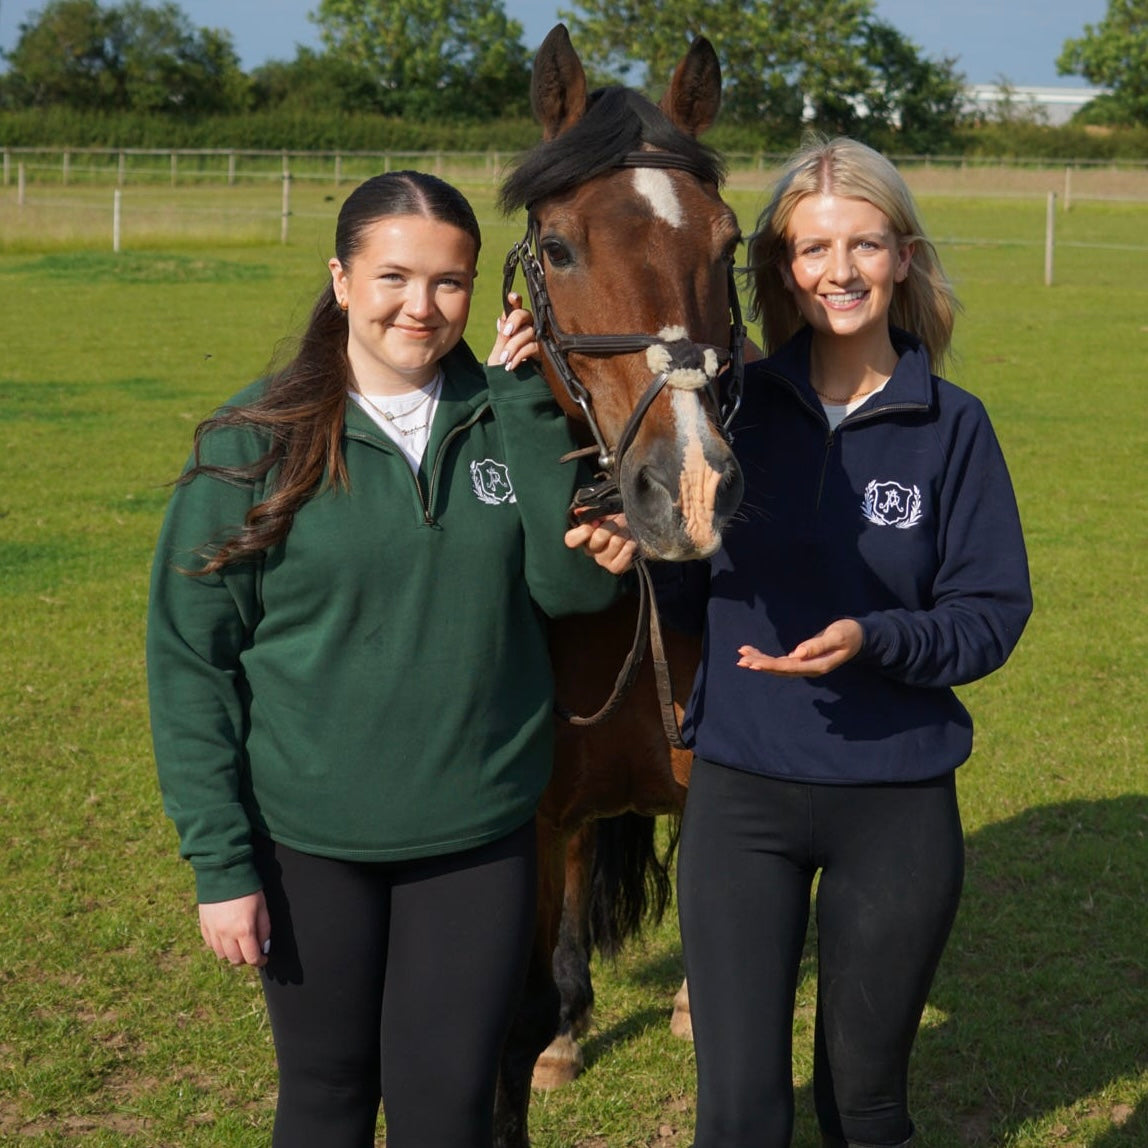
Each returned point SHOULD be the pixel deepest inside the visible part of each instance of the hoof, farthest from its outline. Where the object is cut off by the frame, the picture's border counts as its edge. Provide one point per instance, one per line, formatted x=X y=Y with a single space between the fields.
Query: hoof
x=559 y=1064
x=680 y=1023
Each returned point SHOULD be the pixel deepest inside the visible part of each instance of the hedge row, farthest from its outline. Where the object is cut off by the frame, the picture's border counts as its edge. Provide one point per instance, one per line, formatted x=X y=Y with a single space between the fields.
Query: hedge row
x=63 y=127
x=1030 y=141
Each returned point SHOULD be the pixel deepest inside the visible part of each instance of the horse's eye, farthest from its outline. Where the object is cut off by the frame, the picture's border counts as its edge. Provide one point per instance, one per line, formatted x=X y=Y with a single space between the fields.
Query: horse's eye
x=557 y=252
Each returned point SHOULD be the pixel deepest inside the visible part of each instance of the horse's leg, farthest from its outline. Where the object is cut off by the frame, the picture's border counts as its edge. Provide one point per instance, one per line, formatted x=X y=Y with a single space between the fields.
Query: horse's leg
x=536 y=1020
x=561 y=1060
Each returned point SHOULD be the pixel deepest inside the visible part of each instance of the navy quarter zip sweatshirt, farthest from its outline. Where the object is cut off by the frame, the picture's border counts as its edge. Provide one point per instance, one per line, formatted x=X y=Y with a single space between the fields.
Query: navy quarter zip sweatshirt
x=904 y=519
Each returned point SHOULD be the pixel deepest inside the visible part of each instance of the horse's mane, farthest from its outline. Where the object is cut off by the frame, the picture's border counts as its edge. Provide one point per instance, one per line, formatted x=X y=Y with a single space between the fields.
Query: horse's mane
x=617 y=121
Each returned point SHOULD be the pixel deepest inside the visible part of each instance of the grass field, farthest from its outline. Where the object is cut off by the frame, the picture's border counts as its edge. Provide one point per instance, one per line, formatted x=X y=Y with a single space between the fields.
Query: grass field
x=117 y=1029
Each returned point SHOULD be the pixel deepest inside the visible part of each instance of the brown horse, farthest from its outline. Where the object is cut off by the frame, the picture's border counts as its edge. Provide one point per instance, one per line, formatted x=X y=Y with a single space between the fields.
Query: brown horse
x=628 y=260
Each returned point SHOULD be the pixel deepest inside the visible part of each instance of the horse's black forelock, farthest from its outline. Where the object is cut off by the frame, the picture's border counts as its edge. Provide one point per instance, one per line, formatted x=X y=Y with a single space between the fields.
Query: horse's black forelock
x=617 y=122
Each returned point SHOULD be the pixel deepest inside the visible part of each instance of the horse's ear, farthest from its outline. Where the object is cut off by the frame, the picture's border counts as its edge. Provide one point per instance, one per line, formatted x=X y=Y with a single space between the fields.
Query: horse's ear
x=693 y=98
x=558 y=86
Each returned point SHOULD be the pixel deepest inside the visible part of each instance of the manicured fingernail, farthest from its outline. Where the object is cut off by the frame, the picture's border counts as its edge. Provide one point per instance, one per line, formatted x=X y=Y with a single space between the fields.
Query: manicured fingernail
x=505 y=356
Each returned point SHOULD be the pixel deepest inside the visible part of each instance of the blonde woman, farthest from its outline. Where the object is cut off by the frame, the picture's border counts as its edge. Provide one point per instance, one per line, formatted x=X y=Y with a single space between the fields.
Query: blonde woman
x=880 y=564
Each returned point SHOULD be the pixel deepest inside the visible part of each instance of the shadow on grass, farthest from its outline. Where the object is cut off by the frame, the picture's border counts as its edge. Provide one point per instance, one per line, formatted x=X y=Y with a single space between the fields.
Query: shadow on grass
x=1043 y=988
x=1041 y=1002
x=628 y=1028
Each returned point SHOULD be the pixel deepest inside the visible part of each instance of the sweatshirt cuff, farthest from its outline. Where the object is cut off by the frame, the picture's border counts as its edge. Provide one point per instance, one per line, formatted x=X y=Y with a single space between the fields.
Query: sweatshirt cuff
x=523 y=382
x=226 y=884
x=878 y=639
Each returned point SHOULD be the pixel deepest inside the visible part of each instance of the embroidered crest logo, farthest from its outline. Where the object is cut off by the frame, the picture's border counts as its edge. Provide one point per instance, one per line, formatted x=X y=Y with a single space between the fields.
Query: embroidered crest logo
x=891 y=504
x=491 y=481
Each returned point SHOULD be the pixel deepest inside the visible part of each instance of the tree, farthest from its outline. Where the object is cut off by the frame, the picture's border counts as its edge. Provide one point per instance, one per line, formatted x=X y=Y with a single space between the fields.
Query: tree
x=169 y=65
x=135 y=56
x=315 y=82
x=918 y=103
x=432 y=58
x=64 y=55
x=830 y=64
x=1114 y=54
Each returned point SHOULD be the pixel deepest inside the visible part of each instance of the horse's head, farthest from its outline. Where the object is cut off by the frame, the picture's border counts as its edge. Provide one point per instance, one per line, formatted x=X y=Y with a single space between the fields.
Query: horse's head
x=628 y=259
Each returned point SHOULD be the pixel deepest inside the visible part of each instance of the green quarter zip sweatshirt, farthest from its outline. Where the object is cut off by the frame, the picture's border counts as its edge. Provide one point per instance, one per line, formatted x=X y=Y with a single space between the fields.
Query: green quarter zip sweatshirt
x=378 y=686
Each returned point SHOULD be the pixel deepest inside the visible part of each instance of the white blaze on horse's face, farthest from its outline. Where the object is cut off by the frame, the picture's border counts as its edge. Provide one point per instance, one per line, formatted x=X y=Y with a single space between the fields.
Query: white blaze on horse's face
x=699 y=481
x=657 y=188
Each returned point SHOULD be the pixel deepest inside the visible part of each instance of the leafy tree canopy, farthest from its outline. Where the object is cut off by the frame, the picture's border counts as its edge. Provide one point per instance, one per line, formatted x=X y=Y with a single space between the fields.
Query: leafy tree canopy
x=430 y=58
x=314 y=82
x=132 y=56
x=830 y=64
x=1114 y=54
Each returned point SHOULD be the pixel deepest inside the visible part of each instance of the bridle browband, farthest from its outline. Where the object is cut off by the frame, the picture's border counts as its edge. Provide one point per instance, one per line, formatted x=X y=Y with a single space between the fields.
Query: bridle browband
x=604 y=496
x=558 y=344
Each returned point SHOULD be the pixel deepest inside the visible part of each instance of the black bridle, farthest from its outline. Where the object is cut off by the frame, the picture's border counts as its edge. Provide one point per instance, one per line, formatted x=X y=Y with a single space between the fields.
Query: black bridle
x=604 y=495
x=725 y=389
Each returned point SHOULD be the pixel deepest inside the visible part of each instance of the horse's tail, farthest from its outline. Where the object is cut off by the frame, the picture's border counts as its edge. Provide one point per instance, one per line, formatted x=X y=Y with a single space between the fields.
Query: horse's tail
x=629 y=880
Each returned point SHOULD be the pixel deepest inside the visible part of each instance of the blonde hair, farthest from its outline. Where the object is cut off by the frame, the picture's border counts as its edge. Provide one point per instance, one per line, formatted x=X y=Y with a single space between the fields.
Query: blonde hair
x=923 y=304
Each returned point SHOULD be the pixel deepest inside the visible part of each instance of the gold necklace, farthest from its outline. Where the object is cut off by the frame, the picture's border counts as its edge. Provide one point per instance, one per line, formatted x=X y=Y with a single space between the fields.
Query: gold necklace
x=851 y=398
x=843 y=402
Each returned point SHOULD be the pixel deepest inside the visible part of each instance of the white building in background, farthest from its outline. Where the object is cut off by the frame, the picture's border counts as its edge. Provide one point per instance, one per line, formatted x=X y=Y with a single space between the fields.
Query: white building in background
x=1049 y=105
x=1052 y=105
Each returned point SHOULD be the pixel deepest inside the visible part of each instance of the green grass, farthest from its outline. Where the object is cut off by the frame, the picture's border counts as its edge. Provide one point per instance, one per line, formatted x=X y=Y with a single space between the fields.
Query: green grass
x=117 y=1029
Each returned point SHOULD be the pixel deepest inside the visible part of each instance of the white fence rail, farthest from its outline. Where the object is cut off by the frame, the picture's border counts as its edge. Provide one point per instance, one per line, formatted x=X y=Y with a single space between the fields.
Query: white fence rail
x=66 y=166
x=66 y=196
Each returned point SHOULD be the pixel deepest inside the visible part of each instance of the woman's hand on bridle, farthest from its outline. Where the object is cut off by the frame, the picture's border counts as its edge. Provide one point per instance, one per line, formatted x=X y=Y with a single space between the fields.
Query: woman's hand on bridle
x=607 y=540
x=515 y=342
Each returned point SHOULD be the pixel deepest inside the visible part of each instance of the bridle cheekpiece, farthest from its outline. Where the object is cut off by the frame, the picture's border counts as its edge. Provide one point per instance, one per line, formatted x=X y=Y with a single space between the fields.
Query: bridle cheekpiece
x=683 y=359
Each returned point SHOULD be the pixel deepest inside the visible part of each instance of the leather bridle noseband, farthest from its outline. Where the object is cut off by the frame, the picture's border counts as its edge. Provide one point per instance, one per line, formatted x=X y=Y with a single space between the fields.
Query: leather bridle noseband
x=604 y=495
x=558 y=344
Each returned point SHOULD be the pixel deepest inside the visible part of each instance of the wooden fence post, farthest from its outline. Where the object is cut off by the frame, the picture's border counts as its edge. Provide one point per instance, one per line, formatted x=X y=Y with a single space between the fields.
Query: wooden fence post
x=1067 y=188
x=286 y=212
x=21 y=179
x=338 y=168
x=174 y=167
x=1049 y=237
x=67 y=167
x=121 y=171
x=117 y=218
x=7 y=167
x=231 y=168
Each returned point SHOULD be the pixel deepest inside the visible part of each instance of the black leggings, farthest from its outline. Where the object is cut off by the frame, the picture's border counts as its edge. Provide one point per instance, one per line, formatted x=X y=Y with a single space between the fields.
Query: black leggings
x=394 y=982
x=892 y=861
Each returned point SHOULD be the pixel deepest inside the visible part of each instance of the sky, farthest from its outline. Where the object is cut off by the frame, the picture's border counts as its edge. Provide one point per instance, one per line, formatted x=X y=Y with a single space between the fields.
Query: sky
x=1017 y=40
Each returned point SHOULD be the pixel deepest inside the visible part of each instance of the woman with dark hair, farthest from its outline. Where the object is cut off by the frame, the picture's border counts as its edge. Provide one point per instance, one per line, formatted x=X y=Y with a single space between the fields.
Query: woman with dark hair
x=880 y=564
x=350 y=689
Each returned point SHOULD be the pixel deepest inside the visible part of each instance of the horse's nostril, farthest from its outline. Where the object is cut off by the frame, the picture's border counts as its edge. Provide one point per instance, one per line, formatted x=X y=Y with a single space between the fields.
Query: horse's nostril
x=651 y=484
x=729 y=491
